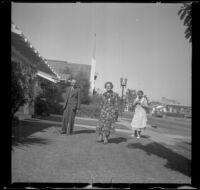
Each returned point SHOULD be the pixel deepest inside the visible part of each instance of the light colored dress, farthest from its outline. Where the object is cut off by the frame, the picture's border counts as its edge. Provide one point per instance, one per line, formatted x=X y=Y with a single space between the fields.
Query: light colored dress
x=139 y=120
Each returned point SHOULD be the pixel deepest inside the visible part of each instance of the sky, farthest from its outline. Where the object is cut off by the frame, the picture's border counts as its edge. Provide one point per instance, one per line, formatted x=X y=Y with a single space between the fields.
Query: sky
x=143 y=42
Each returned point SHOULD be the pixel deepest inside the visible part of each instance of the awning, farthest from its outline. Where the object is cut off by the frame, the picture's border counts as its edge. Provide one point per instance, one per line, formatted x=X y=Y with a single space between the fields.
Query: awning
x=47 y=76
x=23 y=47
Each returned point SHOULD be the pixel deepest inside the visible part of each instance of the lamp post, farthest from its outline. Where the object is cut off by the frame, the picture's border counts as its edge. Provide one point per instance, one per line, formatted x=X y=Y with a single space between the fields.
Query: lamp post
x=123 y=83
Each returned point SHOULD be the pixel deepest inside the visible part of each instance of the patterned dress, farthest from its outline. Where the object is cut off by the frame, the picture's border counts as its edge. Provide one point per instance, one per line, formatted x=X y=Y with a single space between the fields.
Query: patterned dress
x=108 y=106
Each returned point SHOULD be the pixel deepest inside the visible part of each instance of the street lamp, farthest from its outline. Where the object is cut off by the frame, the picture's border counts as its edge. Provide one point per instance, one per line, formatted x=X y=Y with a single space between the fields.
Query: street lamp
x=123 y=83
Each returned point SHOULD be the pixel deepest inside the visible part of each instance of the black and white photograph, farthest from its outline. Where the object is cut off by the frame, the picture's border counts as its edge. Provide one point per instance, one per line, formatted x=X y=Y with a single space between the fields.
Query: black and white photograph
x=101 y=93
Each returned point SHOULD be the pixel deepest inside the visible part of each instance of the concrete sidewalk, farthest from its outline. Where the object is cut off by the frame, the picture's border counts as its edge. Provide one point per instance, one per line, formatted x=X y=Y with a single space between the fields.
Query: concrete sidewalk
x=157 y=136
x=168 y=139
x=47 y=156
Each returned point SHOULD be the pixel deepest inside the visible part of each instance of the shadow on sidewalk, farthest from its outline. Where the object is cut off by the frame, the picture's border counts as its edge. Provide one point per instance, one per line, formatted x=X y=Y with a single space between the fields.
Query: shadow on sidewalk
x=21 y=133
x=174 y=160
x=50 y=118
x=29 y=141
x=117 y=140
x=83 y=131
x=189 y=143
x=28 y=127
x=145 y=136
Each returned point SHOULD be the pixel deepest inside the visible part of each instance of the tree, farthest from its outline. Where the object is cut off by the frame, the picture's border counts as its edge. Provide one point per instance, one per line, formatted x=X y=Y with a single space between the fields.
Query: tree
x=186 y=14
x=22 y=85
x=130 y=97
x=84 y=84
x=96 y=99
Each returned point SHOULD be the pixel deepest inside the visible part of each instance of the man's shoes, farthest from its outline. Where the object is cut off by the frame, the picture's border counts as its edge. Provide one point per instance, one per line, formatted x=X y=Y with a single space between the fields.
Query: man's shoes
x=62 y=132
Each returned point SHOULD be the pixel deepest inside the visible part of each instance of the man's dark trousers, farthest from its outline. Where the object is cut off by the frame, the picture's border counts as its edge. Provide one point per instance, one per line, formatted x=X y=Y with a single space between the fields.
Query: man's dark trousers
x=68 y=120
x=72 y=103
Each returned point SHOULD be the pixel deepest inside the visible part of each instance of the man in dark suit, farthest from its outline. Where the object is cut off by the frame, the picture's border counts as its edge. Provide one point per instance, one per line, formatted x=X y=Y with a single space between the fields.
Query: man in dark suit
x=71 y=106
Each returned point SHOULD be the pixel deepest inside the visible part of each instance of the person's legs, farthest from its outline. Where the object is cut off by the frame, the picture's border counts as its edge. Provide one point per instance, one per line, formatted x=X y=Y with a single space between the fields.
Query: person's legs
x=134 y=133
x=138 y=133
x=68 y=124
x=106 y=135
x=100 y=137
x=99 y=131
x=73 y=114
x=64 y=121
x=105 y=139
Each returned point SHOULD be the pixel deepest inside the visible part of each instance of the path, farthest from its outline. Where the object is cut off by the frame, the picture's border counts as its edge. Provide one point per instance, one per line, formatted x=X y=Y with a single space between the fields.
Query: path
x=46 y=156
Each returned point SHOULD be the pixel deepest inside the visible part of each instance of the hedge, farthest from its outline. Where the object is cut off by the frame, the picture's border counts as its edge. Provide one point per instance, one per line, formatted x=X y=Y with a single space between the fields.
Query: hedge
x=44 y=107
x=47 y=107
x=91 y=111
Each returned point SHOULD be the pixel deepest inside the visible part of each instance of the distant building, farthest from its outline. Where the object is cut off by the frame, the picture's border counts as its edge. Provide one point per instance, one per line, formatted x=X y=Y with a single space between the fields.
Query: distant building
x=170 y=109
x=64 y=67
x=180 y=109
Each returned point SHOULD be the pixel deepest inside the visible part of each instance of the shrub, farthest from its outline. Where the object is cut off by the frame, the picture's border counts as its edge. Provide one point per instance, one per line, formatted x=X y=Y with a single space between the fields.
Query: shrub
x=41 y=106
x=96 y=99
x=55 y=108
x=90 y=111
x=22 y=80
x=84 y=85
x=15 y=121
x=47 y=102
x=46 y=107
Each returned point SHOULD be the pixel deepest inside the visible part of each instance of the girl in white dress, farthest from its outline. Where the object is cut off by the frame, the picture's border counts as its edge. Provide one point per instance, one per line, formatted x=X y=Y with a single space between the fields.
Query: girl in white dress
x=139 y=120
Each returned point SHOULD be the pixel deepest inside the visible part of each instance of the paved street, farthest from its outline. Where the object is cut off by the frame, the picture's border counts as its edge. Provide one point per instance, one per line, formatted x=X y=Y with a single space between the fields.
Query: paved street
x=162 y=155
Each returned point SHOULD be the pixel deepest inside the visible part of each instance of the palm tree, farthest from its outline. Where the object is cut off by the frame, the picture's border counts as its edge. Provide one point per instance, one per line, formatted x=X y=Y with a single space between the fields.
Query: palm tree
x=186 y=14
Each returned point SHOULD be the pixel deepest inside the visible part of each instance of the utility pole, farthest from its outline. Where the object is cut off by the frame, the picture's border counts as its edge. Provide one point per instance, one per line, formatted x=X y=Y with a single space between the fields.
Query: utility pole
x=123 y=83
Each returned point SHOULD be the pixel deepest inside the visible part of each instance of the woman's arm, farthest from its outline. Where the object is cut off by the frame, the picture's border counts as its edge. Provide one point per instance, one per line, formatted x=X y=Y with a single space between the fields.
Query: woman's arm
x=137 y=101
x=144 y=103
x=102 y=101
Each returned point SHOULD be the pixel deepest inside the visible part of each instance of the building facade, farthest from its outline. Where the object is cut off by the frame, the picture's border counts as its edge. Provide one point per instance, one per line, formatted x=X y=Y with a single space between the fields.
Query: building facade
x=66 y=70
x=23 y=51
x=170 y=110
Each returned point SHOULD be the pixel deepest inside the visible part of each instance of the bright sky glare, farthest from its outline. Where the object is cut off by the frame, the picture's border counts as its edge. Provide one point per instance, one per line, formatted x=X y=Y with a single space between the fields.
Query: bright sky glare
x=143 y=42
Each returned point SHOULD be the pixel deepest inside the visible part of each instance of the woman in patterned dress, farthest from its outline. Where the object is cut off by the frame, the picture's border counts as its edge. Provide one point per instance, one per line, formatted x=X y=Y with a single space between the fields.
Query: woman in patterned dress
x=108 y=107
x=139 y=120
